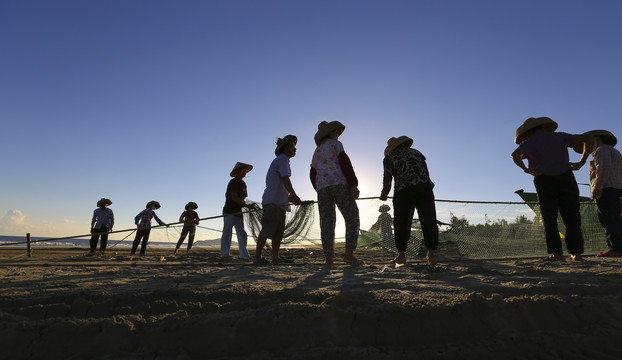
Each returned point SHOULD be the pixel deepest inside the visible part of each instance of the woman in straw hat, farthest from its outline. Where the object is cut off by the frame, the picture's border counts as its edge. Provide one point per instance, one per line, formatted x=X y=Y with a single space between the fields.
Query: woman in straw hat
x=547 y=154
x=232 y=211
x=334 y=180
x=413 y=190
x=190 y=218
x=384 y=225
x=606 y=186
x=143 y=221
x=276 y=197
x=101 y=225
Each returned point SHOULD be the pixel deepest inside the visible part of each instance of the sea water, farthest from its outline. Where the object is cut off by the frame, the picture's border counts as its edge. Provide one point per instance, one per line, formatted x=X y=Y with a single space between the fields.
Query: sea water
x=84 y=242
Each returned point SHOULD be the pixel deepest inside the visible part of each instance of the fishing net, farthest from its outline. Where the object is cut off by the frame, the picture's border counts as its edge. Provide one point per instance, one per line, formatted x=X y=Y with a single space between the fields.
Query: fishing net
x=297 y=223
x=467 y=229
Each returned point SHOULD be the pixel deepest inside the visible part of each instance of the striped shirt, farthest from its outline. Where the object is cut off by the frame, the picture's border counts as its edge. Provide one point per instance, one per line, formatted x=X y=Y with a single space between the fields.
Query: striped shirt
x=143 y=219
x=605 y=168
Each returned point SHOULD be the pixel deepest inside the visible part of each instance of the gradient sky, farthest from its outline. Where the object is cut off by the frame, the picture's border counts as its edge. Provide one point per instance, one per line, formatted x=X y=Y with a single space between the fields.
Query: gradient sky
x=140 y=100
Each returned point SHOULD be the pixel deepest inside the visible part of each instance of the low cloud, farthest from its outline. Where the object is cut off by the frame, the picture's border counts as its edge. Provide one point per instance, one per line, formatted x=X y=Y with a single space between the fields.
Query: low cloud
x=12 y=218
x=15 y=222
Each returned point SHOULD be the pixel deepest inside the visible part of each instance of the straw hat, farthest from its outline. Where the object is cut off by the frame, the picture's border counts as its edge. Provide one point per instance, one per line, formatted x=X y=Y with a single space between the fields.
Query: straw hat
x=280 y=143
x=606 y=136
x=393 y=143
x=104 y=201
x=192 y=205
x=384 y=208
x=154 y=203
x=239 y=165
x=546 y=123
x=325 y=128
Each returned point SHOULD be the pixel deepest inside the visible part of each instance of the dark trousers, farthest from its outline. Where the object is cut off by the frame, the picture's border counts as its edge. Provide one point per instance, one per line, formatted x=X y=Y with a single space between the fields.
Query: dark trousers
x=186 y=230
x=405 y=201
x=609 y=210
x=95 y=238
x=144 y=235
x=560 y=194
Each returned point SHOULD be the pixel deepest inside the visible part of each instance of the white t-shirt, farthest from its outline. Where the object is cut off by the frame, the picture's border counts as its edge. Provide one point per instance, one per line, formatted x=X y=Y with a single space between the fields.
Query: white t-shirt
x=275 y=192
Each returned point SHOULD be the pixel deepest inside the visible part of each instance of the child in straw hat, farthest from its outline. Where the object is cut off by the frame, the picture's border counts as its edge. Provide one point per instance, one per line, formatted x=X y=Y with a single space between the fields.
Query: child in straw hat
x=143 y=221
x=276 y=197
x=232 y=211
x=101 y=225
x=547 y=154
x=606 y=186
x=334 y=180
x=190 y=219
x=413 y=190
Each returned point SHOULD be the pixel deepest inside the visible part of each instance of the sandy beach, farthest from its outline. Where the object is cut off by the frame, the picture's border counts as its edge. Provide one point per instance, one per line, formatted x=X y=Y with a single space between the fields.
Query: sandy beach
x=61 y=304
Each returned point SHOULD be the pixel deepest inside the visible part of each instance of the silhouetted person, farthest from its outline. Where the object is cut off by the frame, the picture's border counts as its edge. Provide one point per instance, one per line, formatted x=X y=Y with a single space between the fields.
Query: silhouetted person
x=143 y=221
x=190 y=219
x=232 y=211
x=413 y=190
x=547 y=154
x=384 y=224
x=101 y=225
x=276 y=197
x=606 y=187
x=334 y=180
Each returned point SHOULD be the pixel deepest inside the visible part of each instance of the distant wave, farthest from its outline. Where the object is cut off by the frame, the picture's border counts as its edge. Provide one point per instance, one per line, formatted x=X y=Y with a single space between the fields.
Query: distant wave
x=84 y=242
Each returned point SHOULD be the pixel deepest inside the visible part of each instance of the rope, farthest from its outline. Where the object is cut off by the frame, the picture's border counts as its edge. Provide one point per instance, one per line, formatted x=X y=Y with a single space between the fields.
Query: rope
x=128 y=235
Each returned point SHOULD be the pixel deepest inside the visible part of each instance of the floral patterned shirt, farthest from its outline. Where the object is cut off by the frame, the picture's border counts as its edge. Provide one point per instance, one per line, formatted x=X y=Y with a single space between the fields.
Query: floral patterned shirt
x=326 y=163
x=407 y=166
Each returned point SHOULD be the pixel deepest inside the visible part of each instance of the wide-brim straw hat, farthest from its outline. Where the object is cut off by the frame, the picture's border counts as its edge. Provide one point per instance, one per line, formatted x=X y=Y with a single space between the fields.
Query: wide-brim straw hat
x=281 y=142
x=324 y=128
x=522 y=131
x=191 y=205
x=384 y=208
x=393 y=143
x=606 y=136
x=239 y=165
x=104 y=201
x=154 y=203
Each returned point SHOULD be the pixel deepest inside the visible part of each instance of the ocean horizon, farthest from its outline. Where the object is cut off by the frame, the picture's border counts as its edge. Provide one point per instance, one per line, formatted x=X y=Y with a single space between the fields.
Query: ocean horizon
x=84 y=242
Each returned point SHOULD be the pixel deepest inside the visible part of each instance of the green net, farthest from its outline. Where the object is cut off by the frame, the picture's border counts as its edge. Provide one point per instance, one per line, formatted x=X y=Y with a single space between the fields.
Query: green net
x=297 y=224
x=467 y=229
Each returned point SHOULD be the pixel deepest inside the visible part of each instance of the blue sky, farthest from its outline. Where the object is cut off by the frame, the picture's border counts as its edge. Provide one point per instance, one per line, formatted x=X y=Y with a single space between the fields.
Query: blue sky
x=141 y=100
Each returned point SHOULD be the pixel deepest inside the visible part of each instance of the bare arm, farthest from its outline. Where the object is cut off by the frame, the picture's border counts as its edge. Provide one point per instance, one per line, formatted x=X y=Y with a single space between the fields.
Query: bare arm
x=518 y=160
x=290 y=189
x=588 y=144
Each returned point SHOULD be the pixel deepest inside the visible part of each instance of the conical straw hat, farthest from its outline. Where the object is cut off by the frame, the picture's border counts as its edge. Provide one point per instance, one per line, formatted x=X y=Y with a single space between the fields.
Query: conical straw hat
x=104 y=201
x=324 y=128
x=606 y=136
x=546 y=123
x=393 y=143
x=238 y=165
